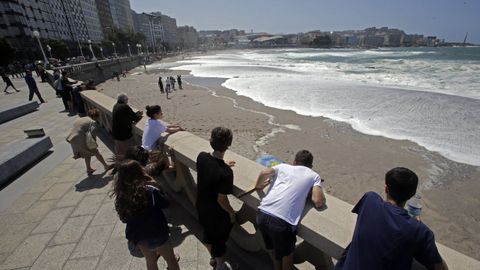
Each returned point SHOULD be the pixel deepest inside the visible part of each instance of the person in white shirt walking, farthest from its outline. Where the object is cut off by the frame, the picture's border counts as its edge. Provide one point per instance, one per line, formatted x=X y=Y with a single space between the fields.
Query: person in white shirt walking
x=280 y=210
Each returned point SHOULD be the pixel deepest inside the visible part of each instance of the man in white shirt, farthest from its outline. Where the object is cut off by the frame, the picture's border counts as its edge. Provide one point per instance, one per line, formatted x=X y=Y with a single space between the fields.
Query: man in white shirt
x=280 y=210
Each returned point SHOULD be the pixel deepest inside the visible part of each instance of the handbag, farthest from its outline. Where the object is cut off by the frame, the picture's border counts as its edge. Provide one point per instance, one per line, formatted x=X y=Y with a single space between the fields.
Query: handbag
x=90 y=140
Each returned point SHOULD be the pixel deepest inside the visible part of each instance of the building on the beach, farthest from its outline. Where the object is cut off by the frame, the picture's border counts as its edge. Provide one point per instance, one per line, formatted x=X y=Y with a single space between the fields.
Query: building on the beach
x=121 y=14
x=105 y=15
x=92 y=20
x=160 y=30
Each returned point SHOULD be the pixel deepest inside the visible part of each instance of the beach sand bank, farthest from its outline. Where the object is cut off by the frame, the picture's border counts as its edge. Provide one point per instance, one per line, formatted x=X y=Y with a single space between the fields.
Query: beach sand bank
x=351 y=162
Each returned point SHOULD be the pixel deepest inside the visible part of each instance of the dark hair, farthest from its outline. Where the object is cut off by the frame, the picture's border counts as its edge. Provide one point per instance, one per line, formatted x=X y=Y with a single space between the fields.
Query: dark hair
x=305 y=158
x=93 y=113
x=129 y=190
x=64 y=73
x=152 y=110
x=402 y=184
x=221 y=138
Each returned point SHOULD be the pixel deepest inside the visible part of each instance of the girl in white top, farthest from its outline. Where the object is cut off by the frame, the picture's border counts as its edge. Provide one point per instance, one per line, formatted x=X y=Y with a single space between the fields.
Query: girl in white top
x=154 y=128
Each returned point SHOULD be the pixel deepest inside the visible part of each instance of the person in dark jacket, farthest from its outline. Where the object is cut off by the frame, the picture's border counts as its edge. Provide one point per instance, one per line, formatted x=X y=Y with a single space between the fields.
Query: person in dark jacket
x=179 y=80
x=66 y=93
x=123 y=118
x=139 y=203
x=160 y=84
x=32 y=87
x=8 y=82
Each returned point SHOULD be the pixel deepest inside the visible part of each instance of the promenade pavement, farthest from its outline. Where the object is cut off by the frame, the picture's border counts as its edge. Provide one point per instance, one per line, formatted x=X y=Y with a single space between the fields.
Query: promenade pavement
x=55 y=216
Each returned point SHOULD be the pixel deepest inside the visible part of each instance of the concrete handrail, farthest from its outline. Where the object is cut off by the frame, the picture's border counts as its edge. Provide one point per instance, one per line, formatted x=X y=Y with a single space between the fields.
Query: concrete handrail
x=325 y=232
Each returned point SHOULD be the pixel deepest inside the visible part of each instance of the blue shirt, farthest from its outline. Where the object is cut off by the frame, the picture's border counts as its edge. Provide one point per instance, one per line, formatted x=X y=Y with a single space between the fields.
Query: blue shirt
x=386 y=237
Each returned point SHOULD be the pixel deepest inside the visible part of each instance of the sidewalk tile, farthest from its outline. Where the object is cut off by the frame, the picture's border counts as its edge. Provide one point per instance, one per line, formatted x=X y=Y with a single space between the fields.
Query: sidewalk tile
x=72 y=230
x=37 y=212
x=89 y=263
x=141 y=264
x=53 y=257
x=53 y=221
x=105 y=215
x=89 y=205
x=93 y=241
x=24 y=202
x=71 y=198
x=28 y=251
x=14 y=235
x=119 y=229
x=56 y=191
x=116 y=255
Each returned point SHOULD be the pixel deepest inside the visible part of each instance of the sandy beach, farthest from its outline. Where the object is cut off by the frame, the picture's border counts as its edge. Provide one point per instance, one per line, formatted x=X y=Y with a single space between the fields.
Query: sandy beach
x=351 y=162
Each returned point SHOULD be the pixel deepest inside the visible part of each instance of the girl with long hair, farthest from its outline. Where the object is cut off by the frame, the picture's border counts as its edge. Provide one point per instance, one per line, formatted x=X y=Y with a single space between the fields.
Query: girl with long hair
x=139 y=202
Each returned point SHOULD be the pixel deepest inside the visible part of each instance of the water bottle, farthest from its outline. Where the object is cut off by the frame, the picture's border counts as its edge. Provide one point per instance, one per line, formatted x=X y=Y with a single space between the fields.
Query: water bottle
x=414 y=206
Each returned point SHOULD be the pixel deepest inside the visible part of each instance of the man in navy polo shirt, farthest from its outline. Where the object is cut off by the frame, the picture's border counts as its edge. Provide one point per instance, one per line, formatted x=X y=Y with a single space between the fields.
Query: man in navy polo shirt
x=385 y=236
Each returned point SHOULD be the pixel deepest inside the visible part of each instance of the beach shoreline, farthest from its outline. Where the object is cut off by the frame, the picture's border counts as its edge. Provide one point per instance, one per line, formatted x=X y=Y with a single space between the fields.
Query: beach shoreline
x=352 y=162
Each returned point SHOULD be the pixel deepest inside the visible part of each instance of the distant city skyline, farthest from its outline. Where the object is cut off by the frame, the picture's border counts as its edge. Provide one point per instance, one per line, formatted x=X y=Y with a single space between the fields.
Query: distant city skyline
x=449 y=20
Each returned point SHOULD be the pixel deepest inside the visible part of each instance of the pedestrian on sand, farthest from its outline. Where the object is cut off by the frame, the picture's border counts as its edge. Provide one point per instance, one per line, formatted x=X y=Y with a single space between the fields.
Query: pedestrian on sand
x=179 y=80
x=386 y=236
x=123 y=118
x=139 y=202
x=172 y=82
x=8 y=82
x=280 y=210
x=215 y=182
x=78 y=140
x=32 y=87
x=167 y=86
x=160 y=84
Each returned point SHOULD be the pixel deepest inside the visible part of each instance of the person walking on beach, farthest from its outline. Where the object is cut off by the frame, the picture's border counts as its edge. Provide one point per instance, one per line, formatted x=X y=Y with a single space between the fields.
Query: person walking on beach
x=385 y=236
x=78 y=140
x=172 y=82
x=154 y=128
x=139 y=203
x=160 y=84
x=280 y=210
x=32 y=87
x=179 y=80
x=167 y=86
x=215 y=182
x=123 y=118
x=8 y=83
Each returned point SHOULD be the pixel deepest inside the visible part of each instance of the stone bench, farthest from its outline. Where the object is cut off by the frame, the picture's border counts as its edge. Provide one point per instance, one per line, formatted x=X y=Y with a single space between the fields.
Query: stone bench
x=17 y=110
x=20 y=154
x=324 y=233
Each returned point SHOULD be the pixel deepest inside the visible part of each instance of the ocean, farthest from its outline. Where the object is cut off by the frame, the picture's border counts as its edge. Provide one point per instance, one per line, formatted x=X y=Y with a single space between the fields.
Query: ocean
x=430 y=96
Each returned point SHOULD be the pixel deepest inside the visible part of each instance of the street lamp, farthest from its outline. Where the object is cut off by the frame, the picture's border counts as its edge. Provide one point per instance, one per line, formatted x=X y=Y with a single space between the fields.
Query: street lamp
x=49 y=49
x=91 y=50
x=139 y=48
x=37 y=35
x=101 y=51
x=114 y=50
x=129 y=52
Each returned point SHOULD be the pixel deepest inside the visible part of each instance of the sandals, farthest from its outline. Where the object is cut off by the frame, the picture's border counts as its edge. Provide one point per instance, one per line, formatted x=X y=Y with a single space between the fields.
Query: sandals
x=90 y=172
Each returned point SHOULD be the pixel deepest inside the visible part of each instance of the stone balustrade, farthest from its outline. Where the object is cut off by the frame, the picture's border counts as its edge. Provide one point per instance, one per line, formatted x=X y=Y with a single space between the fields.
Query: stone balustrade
x=323 y=233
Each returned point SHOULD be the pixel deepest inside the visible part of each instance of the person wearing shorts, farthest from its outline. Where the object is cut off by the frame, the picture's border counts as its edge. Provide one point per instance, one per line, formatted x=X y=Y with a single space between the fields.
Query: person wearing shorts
x=280 y=210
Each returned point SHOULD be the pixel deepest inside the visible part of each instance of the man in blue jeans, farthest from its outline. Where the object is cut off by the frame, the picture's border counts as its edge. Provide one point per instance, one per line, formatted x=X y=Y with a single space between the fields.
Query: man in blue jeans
x=385 y=236
x=280 y=210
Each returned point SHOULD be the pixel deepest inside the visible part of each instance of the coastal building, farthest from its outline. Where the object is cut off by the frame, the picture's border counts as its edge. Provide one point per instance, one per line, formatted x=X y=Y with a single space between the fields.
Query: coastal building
x=169 y=25
x=150 y=26
x=121 y=14
x=92 y=20
x=187 y=37
x=105 y=15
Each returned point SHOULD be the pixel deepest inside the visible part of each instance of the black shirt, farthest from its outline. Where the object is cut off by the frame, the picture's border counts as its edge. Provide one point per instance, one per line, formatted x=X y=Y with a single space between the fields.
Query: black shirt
x=122 y=119
x=214 y=177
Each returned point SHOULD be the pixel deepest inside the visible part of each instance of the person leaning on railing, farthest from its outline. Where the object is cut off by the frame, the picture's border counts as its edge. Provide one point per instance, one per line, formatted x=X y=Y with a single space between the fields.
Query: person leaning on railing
x=385 y=236
x=123 y=118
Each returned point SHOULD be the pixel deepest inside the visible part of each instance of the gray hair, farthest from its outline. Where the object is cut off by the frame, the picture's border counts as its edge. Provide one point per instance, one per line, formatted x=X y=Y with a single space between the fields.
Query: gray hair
x=122 y=98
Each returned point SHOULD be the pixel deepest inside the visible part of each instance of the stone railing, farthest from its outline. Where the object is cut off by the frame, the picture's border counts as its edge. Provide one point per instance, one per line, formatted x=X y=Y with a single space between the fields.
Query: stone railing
x=323 y=233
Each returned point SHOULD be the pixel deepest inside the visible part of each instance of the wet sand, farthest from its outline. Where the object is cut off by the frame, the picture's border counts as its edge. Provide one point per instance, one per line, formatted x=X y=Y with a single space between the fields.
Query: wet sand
x=351 y=162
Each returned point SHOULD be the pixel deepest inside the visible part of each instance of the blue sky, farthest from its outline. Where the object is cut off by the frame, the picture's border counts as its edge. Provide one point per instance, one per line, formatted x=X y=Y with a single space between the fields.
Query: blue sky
x=449 y=19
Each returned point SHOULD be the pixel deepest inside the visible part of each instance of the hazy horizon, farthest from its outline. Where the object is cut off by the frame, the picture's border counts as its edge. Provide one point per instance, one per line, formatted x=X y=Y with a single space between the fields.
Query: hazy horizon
x=442 y=18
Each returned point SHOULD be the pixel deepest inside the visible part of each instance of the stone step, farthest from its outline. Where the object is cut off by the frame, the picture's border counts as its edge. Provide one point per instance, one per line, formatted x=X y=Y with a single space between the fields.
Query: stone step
x=11 y=112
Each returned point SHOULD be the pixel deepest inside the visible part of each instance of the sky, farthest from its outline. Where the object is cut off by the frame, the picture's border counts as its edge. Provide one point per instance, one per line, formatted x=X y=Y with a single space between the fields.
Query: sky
x=448 y=19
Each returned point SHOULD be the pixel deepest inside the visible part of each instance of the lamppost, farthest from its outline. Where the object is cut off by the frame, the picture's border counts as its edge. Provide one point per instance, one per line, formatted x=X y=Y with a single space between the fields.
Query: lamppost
x=139 y=48
x=37 y=35
x=91 y=50
x=49 y=49
x=129 y=52
x=101 y=51
x=114 y=49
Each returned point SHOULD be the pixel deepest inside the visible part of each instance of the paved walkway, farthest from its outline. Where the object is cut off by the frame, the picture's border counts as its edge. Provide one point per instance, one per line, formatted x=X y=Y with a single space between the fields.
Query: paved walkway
x=55 y=216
